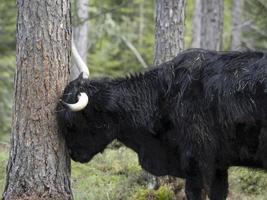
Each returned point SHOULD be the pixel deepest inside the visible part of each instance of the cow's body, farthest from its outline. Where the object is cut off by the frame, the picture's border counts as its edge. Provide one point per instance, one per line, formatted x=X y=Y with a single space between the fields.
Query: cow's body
x=192 y=117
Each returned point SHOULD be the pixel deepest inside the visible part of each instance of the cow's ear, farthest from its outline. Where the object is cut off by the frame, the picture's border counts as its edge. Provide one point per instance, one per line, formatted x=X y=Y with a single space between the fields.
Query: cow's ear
x=81 y=80
x=80 y=77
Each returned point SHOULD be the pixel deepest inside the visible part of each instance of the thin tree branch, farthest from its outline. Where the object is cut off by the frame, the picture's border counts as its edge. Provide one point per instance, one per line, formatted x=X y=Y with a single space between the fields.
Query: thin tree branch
x=262 y=4
x=257 y=30
x=135 y=51
x=248 y=45
x=111 y=10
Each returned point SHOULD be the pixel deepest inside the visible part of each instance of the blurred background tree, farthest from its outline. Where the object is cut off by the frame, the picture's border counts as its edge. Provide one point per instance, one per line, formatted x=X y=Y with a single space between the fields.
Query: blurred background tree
x=110 y=22
x=120 y=41
x=208 y=24
x=7 y=63
x=8 y=12
x=254 y=29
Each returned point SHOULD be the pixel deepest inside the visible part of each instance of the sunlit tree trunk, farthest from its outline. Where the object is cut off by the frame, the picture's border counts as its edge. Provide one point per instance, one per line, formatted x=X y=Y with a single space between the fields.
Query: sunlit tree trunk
x=39 y=165
x=80 y=32
x=236 y=24
x=196 y=25
x=169 y=41
x=212 y=24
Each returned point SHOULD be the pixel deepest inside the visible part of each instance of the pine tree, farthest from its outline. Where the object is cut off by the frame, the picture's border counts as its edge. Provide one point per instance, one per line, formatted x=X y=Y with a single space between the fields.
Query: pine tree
x=39 y=166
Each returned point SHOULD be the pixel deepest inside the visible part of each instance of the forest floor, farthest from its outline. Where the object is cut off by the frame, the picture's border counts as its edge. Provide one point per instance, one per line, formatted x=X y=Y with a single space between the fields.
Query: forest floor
x=116 y=175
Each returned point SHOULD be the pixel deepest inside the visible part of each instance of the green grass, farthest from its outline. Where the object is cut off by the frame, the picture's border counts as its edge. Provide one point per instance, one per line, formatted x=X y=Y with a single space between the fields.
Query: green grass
x=163 y=193
x=115 y=174
x=248 y=184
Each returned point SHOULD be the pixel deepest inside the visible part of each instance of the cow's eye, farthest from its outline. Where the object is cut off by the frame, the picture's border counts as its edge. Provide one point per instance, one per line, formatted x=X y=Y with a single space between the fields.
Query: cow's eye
x=98 y=125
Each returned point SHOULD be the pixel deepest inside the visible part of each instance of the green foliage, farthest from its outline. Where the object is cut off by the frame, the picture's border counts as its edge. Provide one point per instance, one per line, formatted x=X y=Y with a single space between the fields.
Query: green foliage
x=227 y=24
x=255 y=20
x=8 y=14
x=109 y=55
x=108 y=176
x=163 y=193
x=188 y=23
x=7 y=66
x=7 y=26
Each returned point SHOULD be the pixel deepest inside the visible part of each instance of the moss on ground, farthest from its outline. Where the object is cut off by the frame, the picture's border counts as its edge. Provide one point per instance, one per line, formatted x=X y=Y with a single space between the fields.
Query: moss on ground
x=248 y=184
x=163 y=193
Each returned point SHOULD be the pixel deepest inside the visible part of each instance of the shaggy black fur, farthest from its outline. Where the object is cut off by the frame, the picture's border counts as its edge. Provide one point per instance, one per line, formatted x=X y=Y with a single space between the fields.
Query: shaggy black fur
x=192 y=117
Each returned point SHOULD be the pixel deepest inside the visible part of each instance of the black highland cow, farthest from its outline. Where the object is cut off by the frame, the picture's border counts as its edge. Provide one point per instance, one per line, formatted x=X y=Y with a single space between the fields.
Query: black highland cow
x=192 y=117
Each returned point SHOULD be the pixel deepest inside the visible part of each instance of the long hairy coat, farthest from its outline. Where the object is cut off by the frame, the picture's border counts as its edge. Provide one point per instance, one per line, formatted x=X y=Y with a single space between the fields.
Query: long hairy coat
x=191 y=117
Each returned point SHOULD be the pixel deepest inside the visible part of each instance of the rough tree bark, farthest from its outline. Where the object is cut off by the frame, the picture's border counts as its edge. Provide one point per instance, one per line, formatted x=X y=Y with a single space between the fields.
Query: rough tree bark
x=169 y=41
x=39 y=166
x=169 y=32
x=212 y=24
x=236 y=24
x=80 y=33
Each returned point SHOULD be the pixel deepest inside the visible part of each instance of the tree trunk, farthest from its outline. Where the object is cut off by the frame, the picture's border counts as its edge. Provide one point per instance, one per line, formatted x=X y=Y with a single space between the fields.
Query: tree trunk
x=169 y=32
x=169 y=41
x=39 y=165
x=196 y=26
x=212 y=24
x=80 y=33
x=236 y=24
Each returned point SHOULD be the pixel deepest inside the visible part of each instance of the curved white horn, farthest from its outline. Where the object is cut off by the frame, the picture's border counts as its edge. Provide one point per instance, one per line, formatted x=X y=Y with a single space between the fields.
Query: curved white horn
x=79 y=61
x=81 y=104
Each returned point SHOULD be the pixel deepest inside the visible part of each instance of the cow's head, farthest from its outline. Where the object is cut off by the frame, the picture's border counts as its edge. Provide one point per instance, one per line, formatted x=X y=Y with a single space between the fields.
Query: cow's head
x=85 y=125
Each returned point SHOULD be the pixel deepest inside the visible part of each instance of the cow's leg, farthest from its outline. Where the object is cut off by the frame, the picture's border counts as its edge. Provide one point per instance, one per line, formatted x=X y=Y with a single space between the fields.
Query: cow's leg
x=218 y=189
x=193 y=188
x=194 y=178
x=262 y=151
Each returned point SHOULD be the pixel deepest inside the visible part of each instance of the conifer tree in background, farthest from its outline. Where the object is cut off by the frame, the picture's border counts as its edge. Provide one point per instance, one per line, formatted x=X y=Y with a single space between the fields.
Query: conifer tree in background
x=39 y=166
x=210 y=35
x=212 y=24
x=169 y=31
